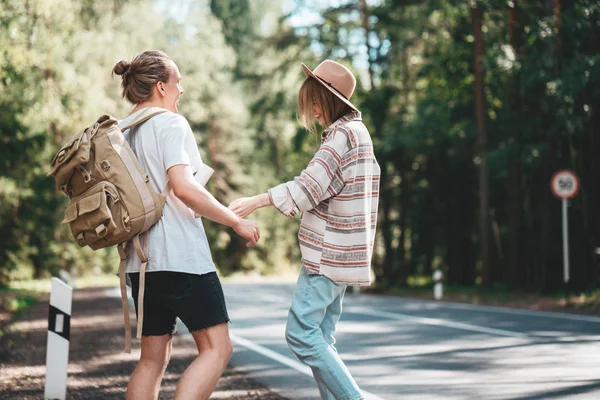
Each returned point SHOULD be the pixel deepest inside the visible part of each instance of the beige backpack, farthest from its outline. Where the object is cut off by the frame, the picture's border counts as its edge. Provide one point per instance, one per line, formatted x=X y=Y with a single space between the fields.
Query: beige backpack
x=112 y=201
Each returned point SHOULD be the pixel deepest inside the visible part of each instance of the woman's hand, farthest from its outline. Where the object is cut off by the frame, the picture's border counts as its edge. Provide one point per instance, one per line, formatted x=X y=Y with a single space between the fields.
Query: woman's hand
x=245 y=206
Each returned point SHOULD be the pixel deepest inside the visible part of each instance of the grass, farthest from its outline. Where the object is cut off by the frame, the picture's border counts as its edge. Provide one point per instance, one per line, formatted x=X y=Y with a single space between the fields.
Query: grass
x=20 y=295
x=43 y=285
x=422 y=288
x=13 y=302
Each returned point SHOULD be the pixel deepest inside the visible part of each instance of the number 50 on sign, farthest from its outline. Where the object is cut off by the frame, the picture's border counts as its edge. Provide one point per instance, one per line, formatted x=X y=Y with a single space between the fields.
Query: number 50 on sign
x=564 y=184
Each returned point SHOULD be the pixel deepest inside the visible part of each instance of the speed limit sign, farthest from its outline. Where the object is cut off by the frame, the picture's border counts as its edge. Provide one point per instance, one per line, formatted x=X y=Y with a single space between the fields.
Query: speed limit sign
x=564 y=184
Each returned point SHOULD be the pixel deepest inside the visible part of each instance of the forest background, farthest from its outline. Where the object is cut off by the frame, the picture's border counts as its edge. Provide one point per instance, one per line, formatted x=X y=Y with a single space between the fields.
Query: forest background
x=472 y=106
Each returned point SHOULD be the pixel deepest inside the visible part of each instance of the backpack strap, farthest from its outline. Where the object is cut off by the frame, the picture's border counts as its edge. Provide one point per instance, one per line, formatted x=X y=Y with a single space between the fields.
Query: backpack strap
x=124 y=304
x=141 y=248
x=142 y=252
x=144 y=116
x=167 y=189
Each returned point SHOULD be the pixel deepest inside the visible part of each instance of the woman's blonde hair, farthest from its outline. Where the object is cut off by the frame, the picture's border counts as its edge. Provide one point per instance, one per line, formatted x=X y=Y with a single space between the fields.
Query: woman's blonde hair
x=141 y=74
x=312 y=91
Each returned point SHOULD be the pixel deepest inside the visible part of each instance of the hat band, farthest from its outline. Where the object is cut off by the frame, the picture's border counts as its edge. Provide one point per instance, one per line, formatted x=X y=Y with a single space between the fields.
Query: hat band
x=331 y=86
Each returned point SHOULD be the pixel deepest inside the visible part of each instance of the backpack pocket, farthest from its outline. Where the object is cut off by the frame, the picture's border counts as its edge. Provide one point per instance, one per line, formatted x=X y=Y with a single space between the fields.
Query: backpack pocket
x=98 y=217
x=73 y=154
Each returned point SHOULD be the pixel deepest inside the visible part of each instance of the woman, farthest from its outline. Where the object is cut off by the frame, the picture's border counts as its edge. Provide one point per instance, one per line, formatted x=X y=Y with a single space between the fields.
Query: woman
x=338 y=193
x=181 y=279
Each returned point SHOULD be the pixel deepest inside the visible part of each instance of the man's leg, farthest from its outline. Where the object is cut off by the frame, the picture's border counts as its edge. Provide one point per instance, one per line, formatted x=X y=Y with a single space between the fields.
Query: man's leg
x=201 y=377
x=312 y=297
x=145 y=380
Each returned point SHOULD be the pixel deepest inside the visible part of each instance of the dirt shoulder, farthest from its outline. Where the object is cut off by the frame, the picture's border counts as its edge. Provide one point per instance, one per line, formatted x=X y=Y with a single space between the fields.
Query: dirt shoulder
x=98 y=368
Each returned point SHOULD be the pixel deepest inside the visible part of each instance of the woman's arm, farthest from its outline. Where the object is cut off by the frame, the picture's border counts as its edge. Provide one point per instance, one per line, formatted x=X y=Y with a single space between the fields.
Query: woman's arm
x=247 y=205
x=320 y=180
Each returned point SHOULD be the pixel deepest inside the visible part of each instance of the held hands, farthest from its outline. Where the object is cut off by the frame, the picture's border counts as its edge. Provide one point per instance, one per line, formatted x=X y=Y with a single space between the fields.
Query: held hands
x=245 y=206
x=248 y=230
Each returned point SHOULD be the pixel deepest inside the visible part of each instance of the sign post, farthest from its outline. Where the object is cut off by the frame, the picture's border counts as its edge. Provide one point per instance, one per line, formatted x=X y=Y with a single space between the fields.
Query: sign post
x=565 y=185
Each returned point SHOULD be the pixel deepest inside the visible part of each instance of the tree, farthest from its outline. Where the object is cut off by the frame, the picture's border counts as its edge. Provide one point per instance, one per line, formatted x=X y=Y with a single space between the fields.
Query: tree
x=478 y=54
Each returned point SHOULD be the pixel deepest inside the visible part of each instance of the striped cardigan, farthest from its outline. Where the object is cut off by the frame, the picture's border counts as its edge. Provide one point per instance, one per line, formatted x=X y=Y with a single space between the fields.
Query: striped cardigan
x=338 y=194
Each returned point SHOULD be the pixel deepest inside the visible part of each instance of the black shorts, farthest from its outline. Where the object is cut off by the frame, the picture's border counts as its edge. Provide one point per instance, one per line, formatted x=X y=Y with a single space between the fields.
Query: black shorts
x=197 y=300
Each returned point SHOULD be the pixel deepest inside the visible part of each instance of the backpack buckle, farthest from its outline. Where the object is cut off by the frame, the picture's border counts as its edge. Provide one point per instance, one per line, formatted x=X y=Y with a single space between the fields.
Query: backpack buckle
x=105 y=165
x=80 y=239
x=93 y=129
x=86 y=175
x=60 y=157
x=101 y=230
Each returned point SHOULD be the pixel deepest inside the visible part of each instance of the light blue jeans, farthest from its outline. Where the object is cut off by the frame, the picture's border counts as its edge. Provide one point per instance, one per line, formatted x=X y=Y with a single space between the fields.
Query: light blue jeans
x=316 y=309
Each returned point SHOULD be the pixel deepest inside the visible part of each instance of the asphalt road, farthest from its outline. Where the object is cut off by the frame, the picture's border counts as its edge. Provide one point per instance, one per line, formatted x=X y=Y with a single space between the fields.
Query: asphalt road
x=408 y=349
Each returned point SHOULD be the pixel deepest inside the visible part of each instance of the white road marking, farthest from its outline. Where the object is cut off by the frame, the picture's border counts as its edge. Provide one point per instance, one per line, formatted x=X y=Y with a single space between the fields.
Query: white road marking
x=433 y=322
x=516 y=311
x=297 y=365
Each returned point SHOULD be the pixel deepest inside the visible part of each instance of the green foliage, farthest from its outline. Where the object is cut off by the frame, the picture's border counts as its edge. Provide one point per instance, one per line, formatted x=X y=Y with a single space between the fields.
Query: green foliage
x=240 y=62
x=541 y=113
x=55 y=80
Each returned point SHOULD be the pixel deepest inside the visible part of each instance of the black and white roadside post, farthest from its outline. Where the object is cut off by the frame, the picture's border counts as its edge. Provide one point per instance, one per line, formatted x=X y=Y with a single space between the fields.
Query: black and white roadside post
x=565 y=185
x=57 y=348
x=438 y=290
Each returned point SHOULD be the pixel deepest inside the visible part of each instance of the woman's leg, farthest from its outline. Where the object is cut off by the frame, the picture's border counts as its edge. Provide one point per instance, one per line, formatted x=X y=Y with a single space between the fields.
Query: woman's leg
x=201 y=377
x=304 y=334
x=145 y=380
x=332 y=316
x=328 y=326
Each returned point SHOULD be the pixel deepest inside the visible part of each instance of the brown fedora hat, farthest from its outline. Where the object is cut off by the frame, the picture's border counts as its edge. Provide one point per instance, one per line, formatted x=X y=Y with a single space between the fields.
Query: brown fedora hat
x=336 y=78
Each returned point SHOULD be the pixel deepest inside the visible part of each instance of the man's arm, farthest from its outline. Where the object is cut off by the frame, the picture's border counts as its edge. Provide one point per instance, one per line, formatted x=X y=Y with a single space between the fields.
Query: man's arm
x=202 y=202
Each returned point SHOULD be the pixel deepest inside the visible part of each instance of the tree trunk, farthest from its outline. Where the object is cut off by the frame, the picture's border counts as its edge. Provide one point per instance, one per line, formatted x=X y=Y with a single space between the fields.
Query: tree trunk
x=591 y=196
x=402 y=273
x=401 y=268
x=365 y=22
x=389 y=259
x=515 y=182
x=557 y=7
x=477 y=18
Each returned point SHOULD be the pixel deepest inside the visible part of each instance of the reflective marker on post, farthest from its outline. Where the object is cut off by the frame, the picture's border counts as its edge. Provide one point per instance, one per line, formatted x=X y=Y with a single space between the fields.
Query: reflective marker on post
x=437 y=284
x=57 y=348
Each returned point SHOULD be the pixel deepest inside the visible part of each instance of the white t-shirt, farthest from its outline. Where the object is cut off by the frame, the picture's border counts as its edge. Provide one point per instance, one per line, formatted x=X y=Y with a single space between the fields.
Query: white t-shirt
x=177 y=242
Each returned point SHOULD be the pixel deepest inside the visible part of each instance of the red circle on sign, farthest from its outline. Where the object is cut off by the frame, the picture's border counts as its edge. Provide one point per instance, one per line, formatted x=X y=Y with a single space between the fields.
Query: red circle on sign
x=564 y=184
